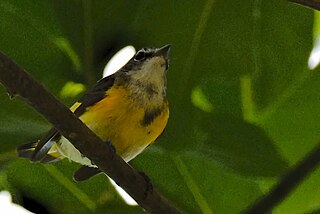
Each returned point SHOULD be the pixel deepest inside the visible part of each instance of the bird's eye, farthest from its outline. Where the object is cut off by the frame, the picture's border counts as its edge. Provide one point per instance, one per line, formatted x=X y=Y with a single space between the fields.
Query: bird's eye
x=140 y=56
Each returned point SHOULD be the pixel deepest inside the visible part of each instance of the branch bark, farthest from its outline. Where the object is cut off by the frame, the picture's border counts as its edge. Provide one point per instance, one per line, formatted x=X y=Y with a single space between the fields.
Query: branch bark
x=315 y=4
x=18 y=82
x=287 y=184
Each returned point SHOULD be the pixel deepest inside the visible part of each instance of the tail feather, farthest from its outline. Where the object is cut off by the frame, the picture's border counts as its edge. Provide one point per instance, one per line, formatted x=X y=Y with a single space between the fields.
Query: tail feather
x=42 y=150
x=50 y=159
x=27 y=150
x=45 y=144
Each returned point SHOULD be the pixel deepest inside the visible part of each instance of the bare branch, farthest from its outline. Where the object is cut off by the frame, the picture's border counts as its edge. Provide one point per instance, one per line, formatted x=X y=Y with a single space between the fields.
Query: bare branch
x=315 y=4
x=18 y=82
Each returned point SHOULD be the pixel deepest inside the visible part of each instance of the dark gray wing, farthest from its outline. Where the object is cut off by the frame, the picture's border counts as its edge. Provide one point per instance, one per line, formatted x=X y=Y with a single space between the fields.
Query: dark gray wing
x=38 y=151
x=97 y=93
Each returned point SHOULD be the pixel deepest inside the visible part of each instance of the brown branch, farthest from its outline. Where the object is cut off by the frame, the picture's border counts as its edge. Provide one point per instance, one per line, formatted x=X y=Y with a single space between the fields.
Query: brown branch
x=18 y=82
x=315 y=4
x=287 y=184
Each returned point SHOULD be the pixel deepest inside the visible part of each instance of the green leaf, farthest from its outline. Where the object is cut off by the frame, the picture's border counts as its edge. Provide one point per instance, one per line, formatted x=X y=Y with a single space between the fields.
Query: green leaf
x=239 y=145
x=43 y=183
x=314 y=211
x=280 y=53
x=195 y=184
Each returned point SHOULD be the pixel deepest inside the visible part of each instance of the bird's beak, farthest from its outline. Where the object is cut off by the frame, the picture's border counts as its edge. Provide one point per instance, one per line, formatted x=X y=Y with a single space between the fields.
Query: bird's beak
x=164 y=52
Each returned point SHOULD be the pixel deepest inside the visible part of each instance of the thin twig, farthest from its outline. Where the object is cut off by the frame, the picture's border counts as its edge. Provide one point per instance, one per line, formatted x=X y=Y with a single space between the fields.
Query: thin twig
x=315 y=4
x=18 y=82
x=287 y=184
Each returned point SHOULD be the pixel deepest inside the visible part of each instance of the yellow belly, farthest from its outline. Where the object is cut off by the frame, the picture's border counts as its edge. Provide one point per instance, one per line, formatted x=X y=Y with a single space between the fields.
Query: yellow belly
x=117 y=118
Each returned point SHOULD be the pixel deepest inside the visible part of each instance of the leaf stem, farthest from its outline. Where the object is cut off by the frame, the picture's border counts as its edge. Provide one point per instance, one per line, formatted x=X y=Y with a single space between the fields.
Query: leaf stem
x=193 y=187
x=194 y=47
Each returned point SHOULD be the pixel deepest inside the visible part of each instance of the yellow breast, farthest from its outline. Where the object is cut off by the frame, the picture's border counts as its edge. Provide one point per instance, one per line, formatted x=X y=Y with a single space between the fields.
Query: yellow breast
x=119 y=119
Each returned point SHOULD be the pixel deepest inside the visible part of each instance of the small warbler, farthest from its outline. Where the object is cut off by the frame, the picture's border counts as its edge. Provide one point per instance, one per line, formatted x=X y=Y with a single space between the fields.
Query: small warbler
x=128 y=108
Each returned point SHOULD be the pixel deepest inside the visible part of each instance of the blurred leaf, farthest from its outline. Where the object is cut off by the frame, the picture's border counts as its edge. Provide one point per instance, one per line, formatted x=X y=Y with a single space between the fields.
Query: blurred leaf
x=199 y=100
x=239 y=145
x=314 y=212
x=294 y=125
x=195 y=184
x=72 y=89
x=87 y=196
x=277 y=66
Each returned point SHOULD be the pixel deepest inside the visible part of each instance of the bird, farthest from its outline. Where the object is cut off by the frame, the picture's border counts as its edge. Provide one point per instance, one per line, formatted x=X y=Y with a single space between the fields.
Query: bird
x=129 y=109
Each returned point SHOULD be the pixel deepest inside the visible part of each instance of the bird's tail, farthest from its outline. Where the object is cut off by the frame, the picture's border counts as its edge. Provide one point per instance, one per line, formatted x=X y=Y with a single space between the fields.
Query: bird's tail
x=40 y=151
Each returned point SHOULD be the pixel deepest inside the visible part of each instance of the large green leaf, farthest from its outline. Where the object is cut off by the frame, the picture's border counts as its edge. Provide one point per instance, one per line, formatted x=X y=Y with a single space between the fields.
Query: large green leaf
x=53 y=185
x=248 y=150
x=197 y=185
